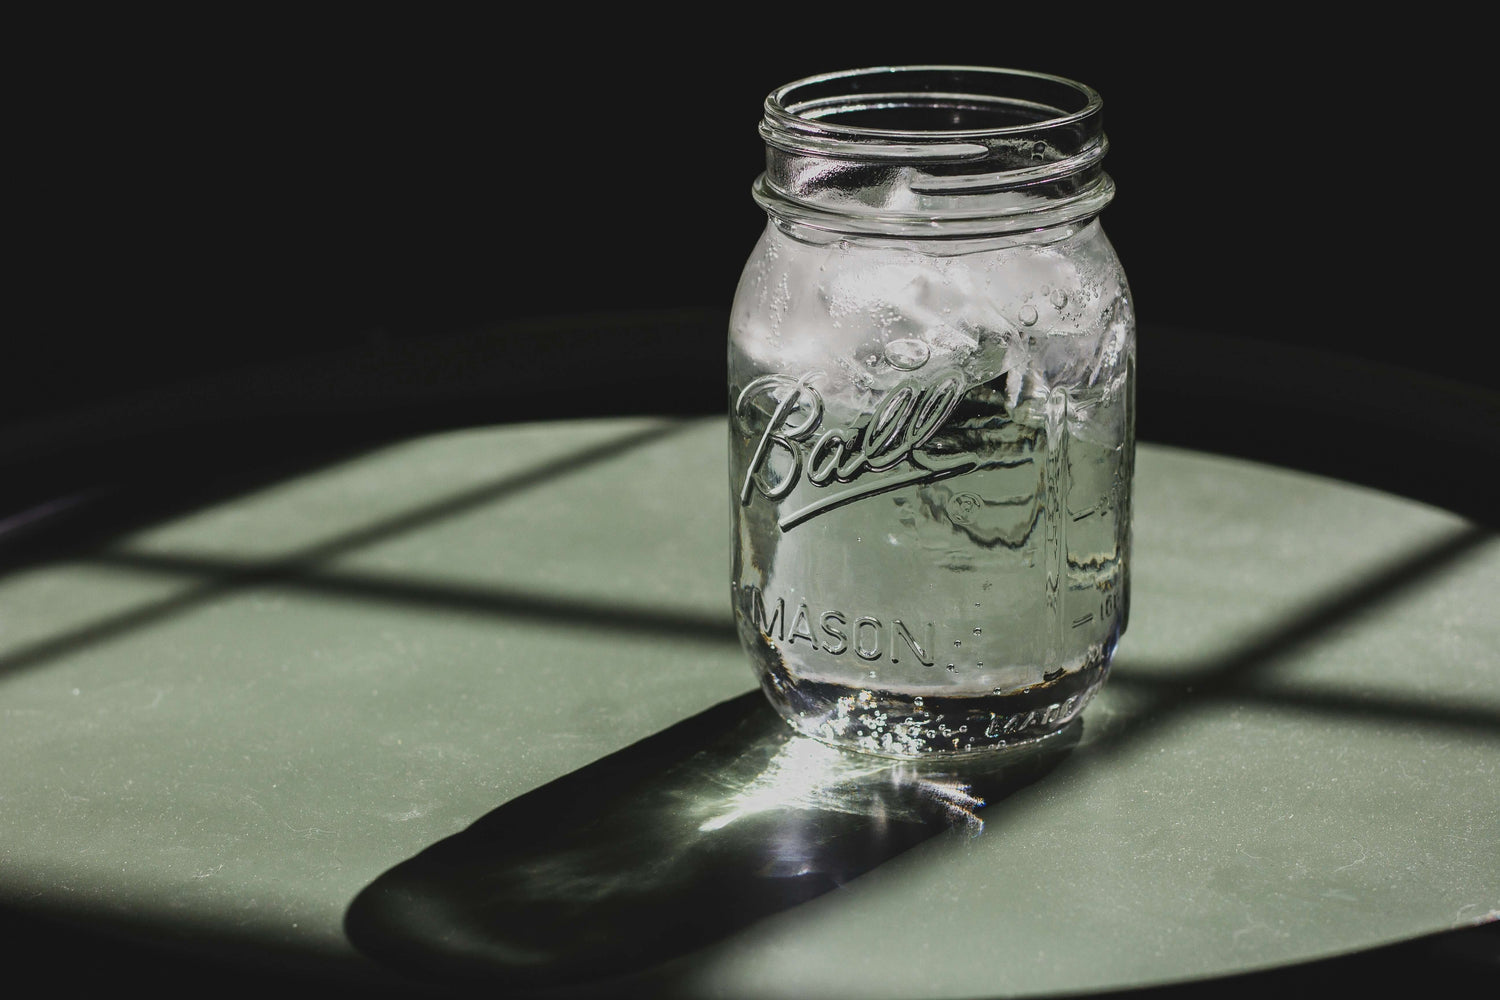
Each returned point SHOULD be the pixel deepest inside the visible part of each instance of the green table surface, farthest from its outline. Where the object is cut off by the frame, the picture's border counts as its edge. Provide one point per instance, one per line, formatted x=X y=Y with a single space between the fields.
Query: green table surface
x=298 y=726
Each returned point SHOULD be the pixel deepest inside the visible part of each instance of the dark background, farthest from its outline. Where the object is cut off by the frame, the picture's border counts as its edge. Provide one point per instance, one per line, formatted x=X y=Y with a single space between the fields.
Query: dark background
x=213 y=191
x=258 y=231
x=264 y=228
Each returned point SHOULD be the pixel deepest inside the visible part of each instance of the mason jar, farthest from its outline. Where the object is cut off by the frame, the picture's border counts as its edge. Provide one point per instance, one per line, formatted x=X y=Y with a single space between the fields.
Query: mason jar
x=931 y=391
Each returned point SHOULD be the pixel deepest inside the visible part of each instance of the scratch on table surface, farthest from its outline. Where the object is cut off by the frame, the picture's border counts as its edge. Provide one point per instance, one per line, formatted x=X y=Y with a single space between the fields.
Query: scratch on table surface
x=1251 y=925
x=205 y=873
x=416 y=812
x=309 y=832
x=248 y=799
x=1364 y=856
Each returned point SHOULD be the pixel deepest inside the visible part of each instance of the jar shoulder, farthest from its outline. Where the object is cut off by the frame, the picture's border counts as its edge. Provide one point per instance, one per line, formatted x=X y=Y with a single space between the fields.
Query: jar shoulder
x=799 y=284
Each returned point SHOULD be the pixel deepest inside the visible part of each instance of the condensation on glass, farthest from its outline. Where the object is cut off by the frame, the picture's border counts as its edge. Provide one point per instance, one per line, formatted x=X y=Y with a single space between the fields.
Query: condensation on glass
x=931 y=392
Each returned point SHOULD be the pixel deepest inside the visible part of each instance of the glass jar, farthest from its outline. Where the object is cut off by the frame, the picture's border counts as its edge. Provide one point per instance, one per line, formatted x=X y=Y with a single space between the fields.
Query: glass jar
x=931 y=389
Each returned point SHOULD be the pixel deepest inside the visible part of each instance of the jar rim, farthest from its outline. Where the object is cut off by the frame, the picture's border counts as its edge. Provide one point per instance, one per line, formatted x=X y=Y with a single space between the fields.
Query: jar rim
x=934 y=151
x=971 y=83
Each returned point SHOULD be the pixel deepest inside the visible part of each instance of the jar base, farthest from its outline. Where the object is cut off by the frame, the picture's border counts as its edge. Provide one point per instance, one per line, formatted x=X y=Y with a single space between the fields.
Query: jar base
x=910 y=726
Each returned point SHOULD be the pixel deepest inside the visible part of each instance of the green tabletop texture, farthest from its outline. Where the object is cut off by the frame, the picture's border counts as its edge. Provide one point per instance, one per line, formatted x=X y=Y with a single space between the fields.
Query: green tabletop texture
x=265 y=727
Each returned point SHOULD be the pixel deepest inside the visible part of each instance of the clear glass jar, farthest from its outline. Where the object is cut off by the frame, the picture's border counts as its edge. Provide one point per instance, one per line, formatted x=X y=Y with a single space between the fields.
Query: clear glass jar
x=931 y=388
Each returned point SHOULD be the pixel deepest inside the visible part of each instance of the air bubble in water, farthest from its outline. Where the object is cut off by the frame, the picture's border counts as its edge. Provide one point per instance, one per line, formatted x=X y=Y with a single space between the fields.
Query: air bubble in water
x=1028 y=315
x=907 y=355
x=871 y=354
x=1058 y=298
x=979 y=631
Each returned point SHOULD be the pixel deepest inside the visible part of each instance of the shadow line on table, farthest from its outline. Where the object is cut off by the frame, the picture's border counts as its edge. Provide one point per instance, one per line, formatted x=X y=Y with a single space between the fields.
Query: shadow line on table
x=1216 y=679
x=1213 y=681
x=229 y=576
x=584 y=880
x=580 y=614
x=866 y=839
x=1344 y=704
x=1227 y=674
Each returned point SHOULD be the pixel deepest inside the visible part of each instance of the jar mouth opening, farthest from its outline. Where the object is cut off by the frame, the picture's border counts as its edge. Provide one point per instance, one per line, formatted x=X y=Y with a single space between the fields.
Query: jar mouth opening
x=918 y=150
x=924 y=104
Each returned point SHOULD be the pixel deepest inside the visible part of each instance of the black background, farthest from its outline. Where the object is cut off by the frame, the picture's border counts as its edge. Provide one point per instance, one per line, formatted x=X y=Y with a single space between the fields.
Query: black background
x=208 y=191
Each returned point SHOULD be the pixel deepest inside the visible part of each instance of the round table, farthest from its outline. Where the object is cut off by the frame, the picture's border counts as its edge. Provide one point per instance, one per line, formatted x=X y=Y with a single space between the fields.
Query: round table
x=470 y=707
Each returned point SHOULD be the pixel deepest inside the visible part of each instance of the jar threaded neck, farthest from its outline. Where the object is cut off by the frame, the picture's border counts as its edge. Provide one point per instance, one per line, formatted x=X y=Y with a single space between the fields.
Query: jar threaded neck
x=934 y=151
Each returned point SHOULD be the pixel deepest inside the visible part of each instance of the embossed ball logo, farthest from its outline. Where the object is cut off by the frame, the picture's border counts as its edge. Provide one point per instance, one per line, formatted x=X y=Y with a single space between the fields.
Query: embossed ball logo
x=886 y=448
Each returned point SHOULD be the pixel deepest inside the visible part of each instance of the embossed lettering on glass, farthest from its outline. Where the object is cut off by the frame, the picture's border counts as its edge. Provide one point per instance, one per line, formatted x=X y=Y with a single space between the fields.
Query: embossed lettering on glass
x=931 y=391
